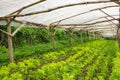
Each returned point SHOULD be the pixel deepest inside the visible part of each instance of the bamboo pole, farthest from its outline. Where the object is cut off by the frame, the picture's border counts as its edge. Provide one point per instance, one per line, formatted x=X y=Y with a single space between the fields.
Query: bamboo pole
x=10 y=45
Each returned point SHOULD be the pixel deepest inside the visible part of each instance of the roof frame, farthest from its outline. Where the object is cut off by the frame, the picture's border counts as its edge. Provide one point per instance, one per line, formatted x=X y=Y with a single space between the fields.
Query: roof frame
x=87 y=24
x=55 y=8
x=19 y=10
x=83 y=13
x=99 y=18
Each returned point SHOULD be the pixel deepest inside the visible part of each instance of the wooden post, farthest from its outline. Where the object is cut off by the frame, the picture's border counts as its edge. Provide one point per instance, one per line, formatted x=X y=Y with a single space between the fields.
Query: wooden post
x=51 y=29
x=70 y=35
x=94 y=35
x=99 y=36
x=118 y=36
x=10 y=45
x=81 y=39
x=87 y=34
x=118 y=30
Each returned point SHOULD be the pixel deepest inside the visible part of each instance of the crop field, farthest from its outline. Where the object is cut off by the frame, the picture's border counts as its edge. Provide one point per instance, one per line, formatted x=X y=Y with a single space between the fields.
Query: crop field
x=95 y=60
x=59 y=39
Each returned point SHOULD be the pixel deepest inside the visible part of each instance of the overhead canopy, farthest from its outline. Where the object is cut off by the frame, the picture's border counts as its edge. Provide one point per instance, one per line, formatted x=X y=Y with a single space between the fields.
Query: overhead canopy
x=63 y=13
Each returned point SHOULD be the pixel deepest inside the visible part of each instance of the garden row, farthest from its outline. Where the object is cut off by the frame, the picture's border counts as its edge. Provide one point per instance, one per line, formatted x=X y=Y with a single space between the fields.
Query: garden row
x=31 y=41
x=89 y=61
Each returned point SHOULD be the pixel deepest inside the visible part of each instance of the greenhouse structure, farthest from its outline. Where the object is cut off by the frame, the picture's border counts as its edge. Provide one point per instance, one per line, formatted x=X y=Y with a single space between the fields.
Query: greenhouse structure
x=59 y=39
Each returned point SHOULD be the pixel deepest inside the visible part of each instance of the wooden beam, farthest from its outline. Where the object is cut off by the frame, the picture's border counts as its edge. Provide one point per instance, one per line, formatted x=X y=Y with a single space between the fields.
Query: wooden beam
x=19 y=10
x=98 y=28
x=31 y=23
x=10 y=46
x=87 y=24
x=116 y=1
x=112 y=23
x=18 y=29
x=107 y=14
x=98 y=18
x=59 y=7
x=5 y=32
x=102 y=30
x=27 y=23
x=84 y=13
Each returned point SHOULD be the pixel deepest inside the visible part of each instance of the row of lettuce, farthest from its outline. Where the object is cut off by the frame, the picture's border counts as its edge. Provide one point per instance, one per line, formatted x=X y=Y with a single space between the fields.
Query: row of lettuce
x=116 y=68
x=90 y=61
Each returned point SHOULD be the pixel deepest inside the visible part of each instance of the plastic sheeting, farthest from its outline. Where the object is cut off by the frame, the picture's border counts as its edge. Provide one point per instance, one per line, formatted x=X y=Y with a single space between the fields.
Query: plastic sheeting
x=47 y=18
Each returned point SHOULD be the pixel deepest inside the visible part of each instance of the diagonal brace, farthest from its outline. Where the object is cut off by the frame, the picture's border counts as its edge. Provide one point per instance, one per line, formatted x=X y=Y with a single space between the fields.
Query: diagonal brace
x=18 y=29
x=5 y=32
x=107 y=14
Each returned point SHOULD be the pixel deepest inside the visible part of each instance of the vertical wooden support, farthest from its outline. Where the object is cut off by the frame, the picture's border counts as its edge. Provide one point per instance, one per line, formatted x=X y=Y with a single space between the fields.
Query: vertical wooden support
x=95 y=35
x=51 y=29
x=118 y=30
x=87 y=34
x=10 y=45
x=118 y=36
x=70 y=35
x=99 y=36
x=81 y=39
